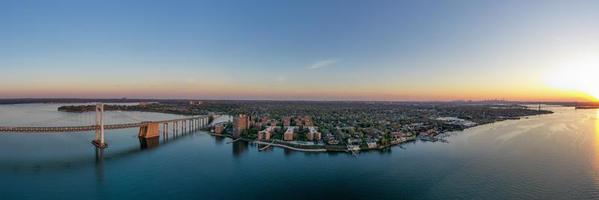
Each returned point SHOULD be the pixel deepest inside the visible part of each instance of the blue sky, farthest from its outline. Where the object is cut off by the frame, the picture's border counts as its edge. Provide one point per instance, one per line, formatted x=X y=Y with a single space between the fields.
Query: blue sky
x=379 y=50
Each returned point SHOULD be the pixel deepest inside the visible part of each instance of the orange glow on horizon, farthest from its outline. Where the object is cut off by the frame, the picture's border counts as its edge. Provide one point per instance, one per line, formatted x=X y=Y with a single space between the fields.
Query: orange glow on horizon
x=293 y=93
x=226 y=89
x=577 y=73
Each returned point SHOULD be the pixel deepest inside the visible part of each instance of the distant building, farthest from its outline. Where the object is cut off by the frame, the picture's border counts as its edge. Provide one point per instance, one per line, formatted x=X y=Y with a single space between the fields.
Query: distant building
x=354 y=141
x=261 y=135
x=288 y=135
x=333 y=141
x=265 y=134
x=287 y=121
x=317 y=136
x=263 y=121
x=429 y=132
x=195 y=102
x=372 y=145
x=457 y=121
x=399 y=137
x=307 y=121
x=219 y=129
x=272 y=122
x=241 y=123
x=313 y=134
x=299 y=122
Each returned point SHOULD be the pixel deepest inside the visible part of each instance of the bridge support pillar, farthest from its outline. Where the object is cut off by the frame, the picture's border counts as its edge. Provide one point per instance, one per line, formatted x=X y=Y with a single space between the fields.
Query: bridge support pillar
x=174 y=128
x=164 y=130
x=150 y=130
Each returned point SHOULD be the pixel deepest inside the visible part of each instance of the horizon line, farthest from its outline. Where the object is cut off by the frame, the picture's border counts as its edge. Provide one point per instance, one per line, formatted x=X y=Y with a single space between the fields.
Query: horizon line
x=290 y=100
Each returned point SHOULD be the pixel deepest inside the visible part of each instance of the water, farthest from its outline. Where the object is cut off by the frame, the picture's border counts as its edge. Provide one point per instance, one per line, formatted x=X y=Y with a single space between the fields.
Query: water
x=543 y=157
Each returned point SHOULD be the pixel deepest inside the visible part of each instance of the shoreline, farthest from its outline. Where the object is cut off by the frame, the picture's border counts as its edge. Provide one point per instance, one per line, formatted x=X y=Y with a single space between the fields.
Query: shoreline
x=352 y=147
x=331 y=148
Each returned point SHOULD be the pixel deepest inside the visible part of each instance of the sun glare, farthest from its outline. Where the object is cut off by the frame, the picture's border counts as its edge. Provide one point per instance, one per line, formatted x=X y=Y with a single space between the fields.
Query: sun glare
x=580 y=74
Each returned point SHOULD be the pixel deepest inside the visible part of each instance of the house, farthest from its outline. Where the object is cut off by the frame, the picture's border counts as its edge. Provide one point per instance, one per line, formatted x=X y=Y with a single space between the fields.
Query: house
x=354 y=141
x=313 y=134
x=288 y=135
x=287 y=121
x=219 y=129
x=399 y=137
x=372 y=144
x=265 y=134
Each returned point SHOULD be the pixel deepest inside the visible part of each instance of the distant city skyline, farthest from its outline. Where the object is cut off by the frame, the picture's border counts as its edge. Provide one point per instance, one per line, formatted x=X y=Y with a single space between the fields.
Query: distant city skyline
x=301 y=50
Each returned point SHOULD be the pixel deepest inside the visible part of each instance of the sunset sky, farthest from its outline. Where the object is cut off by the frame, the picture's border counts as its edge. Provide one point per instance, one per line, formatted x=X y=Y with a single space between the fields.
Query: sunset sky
x=307 y=50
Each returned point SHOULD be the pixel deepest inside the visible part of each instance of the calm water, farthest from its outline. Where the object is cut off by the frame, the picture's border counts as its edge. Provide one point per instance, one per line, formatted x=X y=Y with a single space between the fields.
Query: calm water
x=544 y=157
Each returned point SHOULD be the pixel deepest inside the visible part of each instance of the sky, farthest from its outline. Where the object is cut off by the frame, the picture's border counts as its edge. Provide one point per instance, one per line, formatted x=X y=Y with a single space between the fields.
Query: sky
x=300 y=50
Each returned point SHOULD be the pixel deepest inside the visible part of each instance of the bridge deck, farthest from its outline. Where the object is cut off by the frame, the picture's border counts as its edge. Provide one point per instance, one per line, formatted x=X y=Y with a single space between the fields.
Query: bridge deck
x=89 y=127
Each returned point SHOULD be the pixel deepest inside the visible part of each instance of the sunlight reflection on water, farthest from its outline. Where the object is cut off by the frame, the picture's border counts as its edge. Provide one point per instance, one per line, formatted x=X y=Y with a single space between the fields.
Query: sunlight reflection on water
x=596 y=145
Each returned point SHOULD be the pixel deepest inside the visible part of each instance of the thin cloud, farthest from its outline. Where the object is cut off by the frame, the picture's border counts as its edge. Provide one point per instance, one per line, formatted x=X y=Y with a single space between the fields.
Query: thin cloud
x=323 y=63
x=281 y=78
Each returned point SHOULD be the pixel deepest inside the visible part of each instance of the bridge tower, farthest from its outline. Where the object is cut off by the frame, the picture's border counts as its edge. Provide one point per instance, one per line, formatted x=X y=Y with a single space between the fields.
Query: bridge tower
x=99 y=141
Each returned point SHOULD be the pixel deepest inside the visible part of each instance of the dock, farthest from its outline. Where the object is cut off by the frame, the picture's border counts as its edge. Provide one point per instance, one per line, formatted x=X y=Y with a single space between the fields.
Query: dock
x=235 y=140
x=266 y=147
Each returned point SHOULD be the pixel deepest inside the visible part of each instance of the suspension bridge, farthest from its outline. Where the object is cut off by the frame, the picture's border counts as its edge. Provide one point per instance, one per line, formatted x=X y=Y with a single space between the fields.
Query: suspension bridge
x=147 y=129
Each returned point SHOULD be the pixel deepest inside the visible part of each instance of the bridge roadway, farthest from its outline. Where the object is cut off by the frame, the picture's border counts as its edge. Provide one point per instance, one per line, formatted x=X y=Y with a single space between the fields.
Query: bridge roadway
x=90 y=127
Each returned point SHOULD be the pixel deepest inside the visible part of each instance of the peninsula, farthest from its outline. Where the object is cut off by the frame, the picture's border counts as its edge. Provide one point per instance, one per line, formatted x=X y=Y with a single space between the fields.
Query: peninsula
x=335 y=126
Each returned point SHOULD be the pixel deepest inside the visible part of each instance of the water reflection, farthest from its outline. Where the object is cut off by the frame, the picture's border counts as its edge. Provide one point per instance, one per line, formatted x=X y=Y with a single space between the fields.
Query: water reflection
x=595 y=156
x=288 y=152
x=219 y=140
x=145 y=144
x=542 y=162
x=264 y=147
x=149 y=143
x=239 y=148
x=99 y=164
